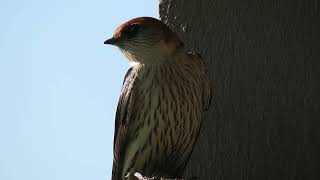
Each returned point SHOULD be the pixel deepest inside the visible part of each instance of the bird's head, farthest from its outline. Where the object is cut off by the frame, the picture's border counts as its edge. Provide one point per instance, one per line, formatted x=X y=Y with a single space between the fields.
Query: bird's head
x=145 y=40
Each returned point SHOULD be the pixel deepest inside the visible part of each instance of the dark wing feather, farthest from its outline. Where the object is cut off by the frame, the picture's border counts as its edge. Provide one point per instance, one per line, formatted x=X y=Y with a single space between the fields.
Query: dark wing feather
x=121 y=122
x=207 y=94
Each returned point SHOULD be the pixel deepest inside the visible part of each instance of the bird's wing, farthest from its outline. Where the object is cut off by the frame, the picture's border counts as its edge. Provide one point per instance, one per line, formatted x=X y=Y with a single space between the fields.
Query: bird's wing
x=206 y=86
x=121 y=123
x=207 y=94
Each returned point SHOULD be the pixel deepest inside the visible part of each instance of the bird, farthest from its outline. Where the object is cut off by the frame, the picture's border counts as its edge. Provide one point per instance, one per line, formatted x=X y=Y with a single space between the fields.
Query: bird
x=161 y=104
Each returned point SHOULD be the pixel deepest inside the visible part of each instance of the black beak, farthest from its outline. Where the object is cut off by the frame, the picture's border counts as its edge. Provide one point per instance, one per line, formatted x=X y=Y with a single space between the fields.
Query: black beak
x=112 y=41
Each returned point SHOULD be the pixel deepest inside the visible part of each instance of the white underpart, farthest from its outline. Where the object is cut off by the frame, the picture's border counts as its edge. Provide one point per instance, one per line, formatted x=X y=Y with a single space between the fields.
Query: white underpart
x=148 y=54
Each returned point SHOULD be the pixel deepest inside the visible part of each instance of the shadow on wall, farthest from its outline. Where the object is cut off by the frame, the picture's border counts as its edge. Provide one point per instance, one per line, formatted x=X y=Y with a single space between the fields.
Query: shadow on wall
x=263 y=59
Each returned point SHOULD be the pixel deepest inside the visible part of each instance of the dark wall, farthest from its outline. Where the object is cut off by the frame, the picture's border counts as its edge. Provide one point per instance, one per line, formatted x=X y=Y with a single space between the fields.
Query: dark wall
x=264 y=63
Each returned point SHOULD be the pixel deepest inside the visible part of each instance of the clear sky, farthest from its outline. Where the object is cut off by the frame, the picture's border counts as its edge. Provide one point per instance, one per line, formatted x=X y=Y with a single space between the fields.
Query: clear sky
x=59 y=86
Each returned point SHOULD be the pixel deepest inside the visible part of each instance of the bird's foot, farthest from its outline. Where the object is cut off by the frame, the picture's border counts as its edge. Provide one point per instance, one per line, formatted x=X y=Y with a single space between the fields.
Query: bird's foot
x=141 y=177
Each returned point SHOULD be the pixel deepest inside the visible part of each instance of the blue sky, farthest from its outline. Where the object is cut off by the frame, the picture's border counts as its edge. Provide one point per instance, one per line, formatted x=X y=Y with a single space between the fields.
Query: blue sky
x=59 y=86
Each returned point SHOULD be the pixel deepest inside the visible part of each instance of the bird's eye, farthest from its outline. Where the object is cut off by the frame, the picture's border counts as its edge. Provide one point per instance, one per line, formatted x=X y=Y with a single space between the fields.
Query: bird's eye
x=132 y=30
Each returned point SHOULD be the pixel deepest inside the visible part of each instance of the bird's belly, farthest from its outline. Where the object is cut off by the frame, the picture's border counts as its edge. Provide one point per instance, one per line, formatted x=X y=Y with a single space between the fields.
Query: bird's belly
x=166 y=132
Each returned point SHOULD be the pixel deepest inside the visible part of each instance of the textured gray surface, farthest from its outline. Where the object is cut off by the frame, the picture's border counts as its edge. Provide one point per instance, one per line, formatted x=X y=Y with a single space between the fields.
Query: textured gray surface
x=264 y=63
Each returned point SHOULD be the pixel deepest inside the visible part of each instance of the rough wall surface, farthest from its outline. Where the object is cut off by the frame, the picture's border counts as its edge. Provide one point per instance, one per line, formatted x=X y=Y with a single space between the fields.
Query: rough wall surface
x=264 y=63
